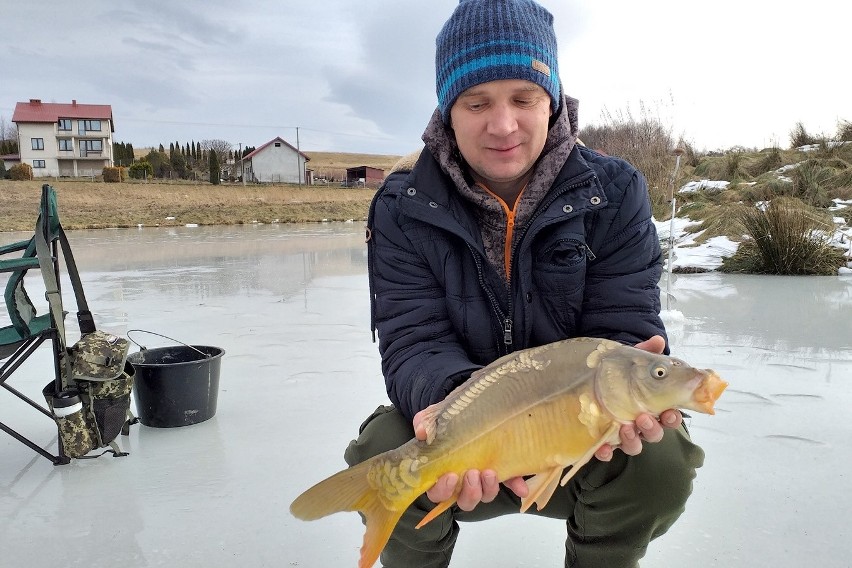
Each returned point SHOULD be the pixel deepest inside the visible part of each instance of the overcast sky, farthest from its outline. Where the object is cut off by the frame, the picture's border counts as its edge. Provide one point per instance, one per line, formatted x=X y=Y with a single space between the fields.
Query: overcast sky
x=358 y=75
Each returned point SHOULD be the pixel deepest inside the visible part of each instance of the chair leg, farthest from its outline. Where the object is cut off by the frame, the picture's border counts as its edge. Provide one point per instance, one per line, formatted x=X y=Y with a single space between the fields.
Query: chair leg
x=6 y=371
x=57 y=460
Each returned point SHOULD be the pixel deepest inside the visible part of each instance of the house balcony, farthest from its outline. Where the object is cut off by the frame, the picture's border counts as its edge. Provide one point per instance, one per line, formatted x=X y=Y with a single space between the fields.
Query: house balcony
x=92 y=154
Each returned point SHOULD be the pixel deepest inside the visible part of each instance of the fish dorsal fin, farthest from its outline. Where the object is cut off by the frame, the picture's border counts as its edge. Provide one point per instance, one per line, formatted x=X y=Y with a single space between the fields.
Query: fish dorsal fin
x=541 y=485
x=430 y=422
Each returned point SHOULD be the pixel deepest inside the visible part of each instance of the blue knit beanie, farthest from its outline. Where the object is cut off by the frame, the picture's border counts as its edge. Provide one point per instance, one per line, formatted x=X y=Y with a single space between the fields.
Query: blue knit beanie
x=488 y=40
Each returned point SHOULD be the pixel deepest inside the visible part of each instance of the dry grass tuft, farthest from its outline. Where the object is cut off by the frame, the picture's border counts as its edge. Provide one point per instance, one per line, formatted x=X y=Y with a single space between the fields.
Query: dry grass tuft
x=787 y=237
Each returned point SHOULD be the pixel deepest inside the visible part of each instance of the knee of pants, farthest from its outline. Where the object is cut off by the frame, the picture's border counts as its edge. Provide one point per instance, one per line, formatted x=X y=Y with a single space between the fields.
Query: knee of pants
x=385 y=429
x=658 y=479
x=665 y=474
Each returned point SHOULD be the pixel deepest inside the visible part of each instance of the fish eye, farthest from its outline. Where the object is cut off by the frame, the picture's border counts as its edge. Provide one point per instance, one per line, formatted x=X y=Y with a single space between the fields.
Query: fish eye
x=659 y=372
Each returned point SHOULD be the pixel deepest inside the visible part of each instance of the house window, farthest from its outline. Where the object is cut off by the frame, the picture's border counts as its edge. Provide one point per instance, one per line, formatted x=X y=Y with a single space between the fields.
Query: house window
x=92 y=125
x=38 y=164
x=91 y=147
x=65 y=145
x=38 y=143
x=278 y=144
x=65 y=124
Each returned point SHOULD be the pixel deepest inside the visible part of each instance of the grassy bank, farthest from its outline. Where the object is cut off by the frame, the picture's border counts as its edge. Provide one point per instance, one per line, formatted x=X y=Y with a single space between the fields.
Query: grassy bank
x=97 y=205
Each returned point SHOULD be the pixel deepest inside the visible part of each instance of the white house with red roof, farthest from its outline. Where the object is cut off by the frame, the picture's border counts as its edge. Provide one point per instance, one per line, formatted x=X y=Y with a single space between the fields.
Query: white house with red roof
x=276 y=162
x=64 y=139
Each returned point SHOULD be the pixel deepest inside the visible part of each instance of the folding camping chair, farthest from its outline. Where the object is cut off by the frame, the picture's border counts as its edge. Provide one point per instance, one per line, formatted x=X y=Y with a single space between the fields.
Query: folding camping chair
x=28 y=329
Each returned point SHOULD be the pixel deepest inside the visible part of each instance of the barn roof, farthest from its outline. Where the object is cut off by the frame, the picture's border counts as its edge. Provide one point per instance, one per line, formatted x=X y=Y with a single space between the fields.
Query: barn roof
x=276 y=139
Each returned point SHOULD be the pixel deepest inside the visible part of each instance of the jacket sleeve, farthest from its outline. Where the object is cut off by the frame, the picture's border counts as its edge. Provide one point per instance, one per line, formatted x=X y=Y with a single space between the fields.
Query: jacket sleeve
x=422 y=358
x=622 y=297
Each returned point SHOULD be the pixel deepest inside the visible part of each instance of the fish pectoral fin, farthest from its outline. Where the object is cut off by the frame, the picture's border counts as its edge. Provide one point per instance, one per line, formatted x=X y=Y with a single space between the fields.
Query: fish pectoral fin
x=609 y=436
x=541 y=485
x=439 y=508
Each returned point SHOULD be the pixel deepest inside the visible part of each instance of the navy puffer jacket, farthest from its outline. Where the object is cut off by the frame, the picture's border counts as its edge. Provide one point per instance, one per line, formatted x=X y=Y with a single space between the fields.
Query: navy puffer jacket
x=586 y=264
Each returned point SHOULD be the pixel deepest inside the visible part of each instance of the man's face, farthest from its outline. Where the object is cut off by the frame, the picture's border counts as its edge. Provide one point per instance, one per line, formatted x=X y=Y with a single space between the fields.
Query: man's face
x=501 y=128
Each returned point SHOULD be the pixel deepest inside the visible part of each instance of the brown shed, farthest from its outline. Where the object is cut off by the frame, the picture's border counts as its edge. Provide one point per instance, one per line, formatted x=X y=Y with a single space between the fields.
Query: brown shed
x=364 y=176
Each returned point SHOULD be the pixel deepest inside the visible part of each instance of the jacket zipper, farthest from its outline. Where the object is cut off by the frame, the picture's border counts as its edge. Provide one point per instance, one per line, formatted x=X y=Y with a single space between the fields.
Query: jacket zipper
x=508 y=249
x=495 y=305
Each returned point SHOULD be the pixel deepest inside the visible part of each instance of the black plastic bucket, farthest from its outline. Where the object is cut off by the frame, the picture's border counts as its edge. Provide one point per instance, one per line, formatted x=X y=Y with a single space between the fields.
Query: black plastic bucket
x=176 y=386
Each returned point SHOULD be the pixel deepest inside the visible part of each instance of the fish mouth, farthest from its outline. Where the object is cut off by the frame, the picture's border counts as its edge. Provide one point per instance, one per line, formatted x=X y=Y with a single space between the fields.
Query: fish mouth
x=708 y=391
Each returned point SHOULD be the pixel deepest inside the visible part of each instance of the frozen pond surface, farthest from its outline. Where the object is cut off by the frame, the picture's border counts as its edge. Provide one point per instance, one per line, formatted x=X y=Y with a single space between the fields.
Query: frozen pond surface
x=289 y=305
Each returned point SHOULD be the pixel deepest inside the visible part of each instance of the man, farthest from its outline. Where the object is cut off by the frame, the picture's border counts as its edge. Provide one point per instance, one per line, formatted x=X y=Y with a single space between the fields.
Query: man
x=507 y=234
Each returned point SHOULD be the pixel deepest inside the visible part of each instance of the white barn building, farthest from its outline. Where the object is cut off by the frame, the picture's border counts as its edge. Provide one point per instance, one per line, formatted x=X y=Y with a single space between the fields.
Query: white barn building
x=276 y=162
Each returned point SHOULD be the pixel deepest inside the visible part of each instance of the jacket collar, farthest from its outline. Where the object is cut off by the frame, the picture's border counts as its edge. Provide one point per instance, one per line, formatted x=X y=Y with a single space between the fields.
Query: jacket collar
x=561 y=138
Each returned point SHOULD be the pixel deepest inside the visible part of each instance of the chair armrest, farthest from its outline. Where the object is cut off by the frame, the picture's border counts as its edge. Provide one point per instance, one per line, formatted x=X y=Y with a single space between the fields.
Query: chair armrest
x=14 y=247
x=18 y=263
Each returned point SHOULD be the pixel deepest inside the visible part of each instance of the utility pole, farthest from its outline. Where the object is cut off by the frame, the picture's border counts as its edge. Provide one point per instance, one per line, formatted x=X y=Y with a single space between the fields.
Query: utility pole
x=298 y=159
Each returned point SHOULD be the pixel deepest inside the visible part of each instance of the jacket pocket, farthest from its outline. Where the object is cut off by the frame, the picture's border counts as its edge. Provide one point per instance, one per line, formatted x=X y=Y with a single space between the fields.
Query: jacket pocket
x=564 y=253
x=559 y=277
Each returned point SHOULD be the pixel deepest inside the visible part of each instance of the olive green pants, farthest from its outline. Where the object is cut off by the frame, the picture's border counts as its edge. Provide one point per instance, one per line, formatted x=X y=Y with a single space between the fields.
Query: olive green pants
x=612 y=509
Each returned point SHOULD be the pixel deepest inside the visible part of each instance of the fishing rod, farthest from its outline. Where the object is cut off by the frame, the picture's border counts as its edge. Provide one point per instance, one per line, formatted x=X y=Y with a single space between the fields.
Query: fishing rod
x=678 y=152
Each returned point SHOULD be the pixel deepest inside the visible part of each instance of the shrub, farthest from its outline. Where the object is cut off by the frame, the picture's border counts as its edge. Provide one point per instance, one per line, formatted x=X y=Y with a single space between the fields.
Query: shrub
x=800 y=137
x=734 y=165
x=21 y=172
x=141 y=170
x=811 y=183
x=644 y=142
x=844 y=131
x=112 y=175
x=770 y=160
x=786 y=237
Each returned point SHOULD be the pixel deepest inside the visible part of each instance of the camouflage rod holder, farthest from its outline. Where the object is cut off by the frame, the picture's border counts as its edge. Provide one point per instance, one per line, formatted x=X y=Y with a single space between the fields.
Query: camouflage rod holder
x=94 y=406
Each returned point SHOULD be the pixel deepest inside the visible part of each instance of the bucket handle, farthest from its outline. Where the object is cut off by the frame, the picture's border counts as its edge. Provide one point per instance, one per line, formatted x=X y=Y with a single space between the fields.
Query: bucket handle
x=143 y=348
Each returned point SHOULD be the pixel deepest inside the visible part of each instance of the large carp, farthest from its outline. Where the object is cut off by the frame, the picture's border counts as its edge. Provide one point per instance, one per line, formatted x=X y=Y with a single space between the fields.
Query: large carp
x=535 y=411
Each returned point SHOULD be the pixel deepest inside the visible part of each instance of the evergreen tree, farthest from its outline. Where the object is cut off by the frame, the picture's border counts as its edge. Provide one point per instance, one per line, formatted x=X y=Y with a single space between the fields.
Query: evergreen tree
x=171 y=151
x=131 y=155
x=162 y=150
x=194 y=151
x=214 y=168
x=178 y=163
x=198 y=155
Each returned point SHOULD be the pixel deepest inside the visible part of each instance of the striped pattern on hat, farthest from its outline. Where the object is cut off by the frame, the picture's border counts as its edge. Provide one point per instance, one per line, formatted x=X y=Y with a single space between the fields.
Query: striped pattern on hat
x=489 y=40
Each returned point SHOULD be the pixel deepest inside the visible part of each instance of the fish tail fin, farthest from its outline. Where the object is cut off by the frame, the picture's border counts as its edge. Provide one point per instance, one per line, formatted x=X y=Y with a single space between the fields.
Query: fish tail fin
x=343 y=491
x=349 y=490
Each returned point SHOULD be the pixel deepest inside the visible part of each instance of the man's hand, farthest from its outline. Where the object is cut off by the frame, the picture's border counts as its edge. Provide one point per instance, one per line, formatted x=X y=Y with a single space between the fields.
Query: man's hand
x=645 y=427
x=476 y=486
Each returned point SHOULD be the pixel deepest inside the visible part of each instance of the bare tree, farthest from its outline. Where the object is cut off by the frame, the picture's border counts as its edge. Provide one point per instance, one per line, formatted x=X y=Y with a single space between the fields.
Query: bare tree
x=8 y=131
x=221 y=147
